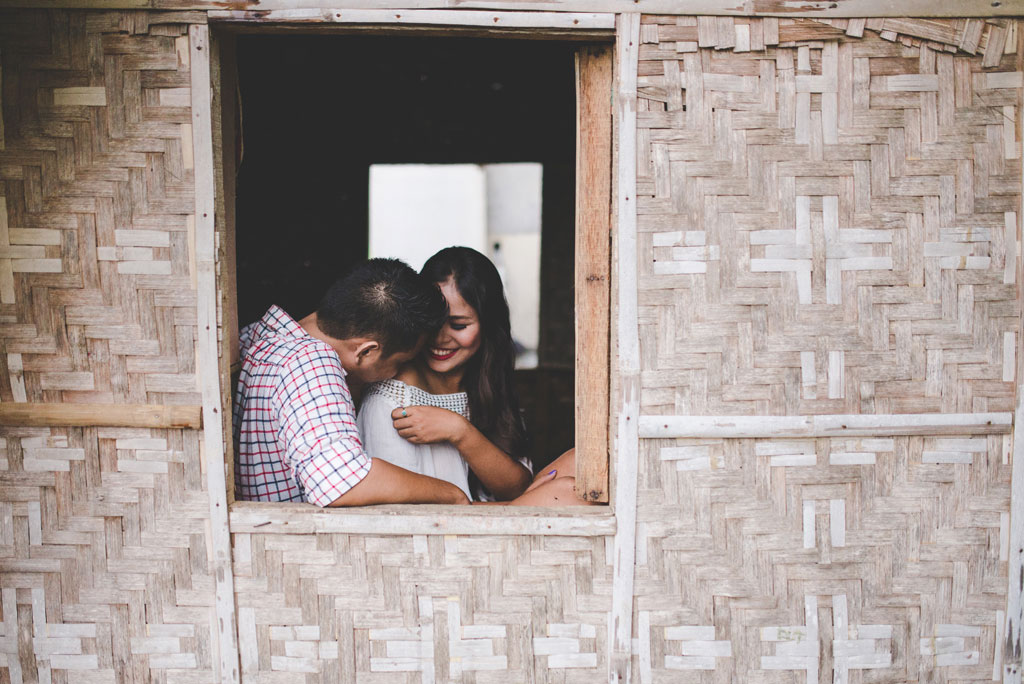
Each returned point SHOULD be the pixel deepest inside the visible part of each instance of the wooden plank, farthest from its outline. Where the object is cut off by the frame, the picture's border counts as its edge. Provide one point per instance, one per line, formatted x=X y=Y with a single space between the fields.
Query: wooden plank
x=627 y=403
x=854 y=425
x=421 y=17
x=423 y=31
x=224 y=74
x=994 y=48
x=593 y=264
x=1012 y=643
x=421 y=519
x=778 y=8
x=100 y=415
x=226 y=663
x=940 y=32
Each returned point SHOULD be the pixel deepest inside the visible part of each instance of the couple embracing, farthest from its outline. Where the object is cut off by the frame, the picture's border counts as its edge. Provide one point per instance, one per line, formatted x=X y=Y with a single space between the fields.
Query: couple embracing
x=439 y=421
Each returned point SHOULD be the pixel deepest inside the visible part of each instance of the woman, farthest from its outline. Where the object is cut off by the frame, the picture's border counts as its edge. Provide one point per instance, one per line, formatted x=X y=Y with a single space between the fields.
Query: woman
x=453 y=413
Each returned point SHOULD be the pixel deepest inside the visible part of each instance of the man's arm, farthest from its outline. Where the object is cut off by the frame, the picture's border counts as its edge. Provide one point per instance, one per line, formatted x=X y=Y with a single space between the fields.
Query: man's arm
x=318 y=424
x=387 y=483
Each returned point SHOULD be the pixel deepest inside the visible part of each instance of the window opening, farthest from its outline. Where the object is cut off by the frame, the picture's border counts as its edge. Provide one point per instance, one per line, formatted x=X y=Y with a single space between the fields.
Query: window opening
x=319 y=112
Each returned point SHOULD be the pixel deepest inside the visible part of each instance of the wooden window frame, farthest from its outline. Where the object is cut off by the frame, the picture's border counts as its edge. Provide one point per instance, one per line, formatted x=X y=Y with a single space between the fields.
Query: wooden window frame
x=594 y=164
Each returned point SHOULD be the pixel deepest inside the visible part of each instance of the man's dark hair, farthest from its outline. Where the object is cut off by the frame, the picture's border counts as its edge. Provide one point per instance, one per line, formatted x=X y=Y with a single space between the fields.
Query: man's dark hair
x=384 y=300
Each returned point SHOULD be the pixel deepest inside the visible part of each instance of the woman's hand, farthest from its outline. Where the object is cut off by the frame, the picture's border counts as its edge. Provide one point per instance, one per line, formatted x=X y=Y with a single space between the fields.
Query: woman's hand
x=429 y=424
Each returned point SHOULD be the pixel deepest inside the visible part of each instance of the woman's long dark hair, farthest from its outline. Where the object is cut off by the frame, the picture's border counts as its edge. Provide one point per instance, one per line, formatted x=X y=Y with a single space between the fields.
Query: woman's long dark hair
x=489 y=376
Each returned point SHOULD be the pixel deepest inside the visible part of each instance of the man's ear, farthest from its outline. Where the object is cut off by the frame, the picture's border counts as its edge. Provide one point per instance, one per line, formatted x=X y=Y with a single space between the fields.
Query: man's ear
x=365 y=348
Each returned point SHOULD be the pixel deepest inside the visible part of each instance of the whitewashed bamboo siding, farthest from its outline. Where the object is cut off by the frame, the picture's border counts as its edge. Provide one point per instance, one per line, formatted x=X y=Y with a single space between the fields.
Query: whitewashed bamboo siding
x=827 y=233
x=812 y=246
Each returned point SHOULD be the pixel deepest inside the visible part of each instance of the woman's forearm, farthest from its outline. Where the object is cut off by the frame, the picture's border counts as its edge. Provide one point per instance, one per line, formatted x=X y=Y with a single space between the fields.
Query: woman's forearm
x=503 y=476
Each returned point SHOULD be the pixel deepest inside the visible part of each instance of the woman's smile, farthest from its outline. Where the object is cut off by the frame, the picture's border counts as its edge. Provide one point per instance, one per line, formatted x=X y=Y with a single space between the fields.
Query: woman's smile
x=442 y=354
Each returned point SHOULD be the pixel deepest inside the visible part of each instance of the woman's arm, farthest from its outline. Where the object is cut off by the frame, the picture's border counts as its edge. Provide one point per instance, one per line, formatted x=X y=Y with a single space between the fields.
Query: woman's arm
x=502 y=475
x=555 y=487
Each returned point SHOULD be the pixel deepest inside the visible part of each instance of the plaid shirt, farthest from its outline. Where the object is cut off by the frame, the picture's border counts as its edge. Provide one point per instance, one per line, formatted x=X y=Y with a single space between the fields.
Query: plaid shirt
x=294 y=421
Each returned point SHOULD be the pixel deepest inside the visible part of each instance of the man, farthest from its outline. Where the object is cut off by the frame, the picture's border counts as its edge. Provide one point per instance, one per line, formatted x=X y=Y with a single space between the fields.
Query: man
x=294 y=419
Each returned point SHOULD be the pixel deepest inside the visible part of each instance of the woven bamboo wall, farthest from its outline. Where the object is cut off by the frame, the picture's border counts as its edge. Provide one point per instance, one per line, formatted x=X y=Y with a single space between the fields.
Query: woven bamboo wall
x=105 y=570
x=420 y=608
x=828 y=224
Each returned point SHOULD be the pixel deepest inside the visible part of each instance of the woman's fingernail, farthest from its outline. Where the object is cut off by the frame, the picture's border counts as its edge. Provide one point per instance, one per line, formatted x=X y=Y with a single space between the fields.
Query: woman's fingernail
x=552 y=472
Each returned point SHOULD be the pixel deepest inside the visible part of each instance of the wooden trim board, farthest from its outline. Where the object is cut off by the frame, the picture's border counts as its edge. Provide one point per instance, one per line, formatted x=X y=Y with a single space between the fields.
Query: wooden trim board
x=1011 y=643
x=226 y=662
x=593 y=267
x=225 y=105
x=100 y=415
x=778 y=8
x=560 y=20
x=263 y=518
x=627 y=404
x=855 y=425
x=593 y=190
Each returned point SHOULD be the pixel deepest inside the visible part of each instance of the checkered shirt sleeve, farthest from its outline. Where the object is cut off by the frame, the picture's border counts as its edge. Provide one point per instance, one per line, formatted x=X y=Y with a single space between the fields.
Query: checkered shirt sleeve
x=317 y=425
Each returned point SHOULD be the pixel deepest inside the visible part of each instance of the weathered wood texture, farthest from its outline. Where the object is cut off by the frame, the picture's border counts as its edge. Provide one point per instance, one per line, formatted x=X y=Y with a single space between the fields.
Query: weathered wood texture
x=15 y=414
x=593 y=267
x=787 y=8
x=104 y=556
x=826 y=228
x=105 y=549
x=97 y=187
x=626 y=378
x=808 y=560
x=421 y=608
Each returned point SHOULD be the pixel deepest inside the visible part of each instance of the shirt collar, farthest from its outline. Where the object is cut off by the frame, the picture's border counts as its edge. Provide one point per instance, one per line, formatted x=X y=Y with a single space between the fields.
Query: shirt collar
x=277 y=322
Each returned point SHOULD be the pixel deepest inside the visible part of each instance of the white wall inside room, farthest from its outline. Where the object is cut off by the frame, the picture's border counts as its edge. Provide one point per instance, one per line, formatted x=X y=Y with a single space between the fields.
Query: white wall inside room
x=417 y=209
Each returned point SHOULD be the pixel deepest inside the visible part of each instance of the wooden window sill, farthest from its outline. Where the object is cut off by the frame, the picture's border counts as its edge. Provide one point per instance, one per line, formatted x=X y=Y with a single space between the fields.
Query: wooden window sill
x=249 y=517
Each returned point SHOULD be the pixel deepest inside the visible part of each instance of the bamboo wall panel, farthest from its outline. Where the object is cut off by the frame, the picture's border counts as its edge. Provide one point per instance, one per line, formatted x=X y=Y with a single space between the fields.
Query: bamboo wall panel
x=829 y=227
x=758 y=559
x=96 y=280
x=828 y=224
x=992 y=37
x=105 y=552
x=104 y=558
x=348 y=608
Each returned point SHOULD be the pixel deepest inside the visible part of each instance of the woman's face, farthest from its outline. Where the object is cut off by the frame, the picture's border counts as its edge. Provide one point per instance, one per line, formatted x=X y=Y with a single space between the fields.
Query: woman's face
x=459 y=337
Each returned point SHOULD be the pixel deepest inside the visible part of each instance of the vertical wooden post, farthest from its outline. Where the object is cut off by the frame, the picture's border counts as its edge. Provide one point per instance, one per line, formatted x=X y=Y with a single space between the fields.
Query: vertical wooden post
x=224 y=72
x=1012 y=642
x=627 y=441
x=593 y=258
x=226 y=662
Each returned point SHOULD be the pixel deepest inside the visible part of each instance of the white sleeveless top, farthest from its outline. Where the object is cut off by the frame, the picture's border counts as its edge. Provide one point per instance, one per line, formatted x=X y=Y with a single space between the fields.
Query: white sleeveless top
x=381 y=440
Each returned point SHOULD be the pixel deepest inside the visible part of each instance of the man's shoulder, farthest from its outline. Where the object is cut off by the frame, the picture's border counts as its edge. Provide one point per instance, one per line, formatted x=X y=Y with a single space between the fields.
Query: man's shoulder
x=277 y=339
x=292 y=354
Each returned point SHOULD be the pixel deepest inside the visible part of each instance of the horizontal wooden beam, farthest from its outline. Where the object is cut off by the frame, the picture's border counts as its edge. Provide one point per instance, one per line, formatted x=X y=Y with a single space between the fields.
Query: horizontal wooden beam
x=853 y=425
x=100 y=415
x=765 y=8
x=546 y=20
x=269 y=518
